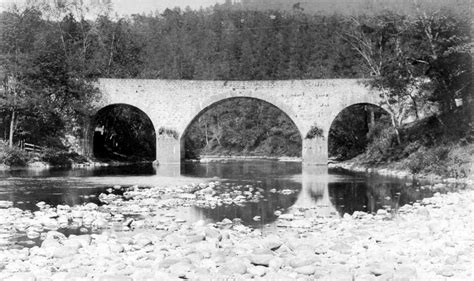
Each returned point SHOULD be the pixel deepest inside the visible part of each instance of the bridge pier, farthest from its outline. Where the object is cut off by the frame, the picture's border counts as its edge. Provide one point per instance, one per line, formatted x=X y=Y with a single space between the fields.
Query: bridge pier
x=315 y=151
x=168 y=150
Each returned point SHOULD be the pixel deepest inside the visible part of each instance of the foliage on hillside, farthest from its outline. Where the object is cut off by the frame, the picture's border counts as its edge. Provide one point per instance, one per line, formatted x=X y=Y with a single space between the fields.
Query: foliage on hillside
x=442 y=145
x=46 y=87
x=50 y=56
x=345 y=7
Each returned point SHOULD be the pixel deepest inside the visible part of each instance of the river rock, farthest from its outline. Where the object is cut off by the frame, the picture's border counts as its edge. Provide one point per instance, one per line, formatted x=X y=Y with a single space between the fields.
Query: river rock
x=194 y=238
x=166 y=263
x=272 y=242
x=143 y=274
x=234 y=266
x=446 y=271
x=342 y=248
x=344 y=275
x=405 y=273
x=53 y=239
x=261 y=259
x=83 y=240
x=300 y=223
x=301 y=260
x=5 y=204
x=276 y=263
x=110 y=277
x=306 y=270
x=378 y=269
x=141 y=242
x=21 y=276
x=257 y=270
x=63 y=251
x=286 y=217
x=213 y=233
x=180 y=269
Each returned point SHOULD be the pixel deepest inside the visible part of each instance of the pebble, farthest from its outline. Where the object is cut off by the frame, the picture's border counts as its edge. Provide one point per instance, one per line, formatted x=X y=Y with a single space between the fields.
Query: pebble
x=306 y=270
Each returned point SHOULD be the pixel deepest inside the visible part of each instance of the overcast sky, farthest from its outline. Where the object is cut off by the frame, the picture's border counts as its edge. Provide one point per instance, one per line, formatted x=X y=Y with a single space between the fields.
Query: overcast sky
x=127 y=7
x=139 y=6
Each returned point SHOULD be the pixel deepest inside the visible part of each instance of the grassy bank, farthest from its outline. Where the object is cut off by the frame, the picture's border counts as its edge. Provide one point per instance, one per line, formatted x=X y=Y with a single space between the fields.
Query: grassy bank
x=15 y=157
x=439 y=145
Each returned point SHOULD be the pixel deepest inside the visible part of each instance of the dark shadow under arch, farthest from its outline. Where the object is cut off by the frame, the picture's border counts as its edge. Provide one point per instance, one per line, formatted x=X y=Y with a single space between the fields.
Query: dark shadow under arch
x=123 y=132
x=222 y=102
x=349 y=131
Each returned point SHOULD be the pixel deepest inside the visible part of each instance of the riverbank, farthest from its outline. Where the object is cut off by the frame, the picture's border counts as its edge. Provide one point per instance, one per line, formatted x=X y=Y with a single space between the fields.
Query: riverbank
x=85 y=164
x=392 y=172
x=439 y=148
x=429 y=240
x=221 y=158
x=396 y=171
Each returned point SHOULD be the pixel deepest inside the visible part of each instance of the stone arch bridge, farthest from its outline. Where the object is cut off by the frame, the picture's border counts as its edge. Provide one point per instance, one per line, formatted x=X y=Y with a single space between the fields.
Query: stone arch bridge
x=172 y=105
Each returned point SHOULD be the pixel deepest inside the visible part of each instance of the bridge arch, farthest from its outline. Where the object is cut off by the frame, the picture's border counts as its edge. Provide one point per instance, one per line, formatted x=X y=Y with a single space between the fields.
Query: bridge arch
x=369 y=103
x=101 y=122
x=217 y=100
x=362 y=117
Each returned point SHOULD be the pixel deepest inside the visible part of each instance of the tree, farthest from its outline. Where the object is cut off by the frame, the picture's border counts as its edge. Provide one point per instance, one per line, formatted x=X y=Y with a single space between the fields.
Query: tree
x=444 y=53
x=381 y=41
x=18 y=33
x=46 y=66
x=413 y=60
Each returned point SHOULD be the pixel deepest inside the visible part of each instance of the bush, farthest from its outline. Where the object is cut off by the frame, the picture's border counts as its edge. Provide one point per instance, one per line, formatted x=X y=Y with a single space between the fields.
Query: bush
x=56 y=158
x=429 y=161
x=381 y=143
x=13 y=156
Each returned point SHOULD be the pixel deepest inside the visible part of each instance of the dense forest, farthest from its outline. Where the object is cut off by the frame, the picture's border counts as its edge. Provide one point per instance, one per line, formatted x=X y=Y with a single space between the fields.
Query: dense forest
x=51 y=55
x=344 y=7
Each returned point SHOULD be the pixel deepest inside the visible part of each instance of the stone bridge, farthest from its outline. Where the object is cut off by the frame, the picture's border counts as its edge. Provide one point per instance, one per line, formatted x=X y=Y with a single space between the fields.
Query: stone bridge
x=172 y=105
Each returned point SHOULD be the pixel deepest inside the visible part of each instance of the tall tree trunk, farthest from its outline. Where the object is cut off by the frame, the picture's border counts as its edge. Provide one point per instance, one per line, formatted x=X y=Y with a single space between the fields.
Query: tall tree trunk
x=372 y=117
x=395 y=126
x=12 y=128
x=415 y=106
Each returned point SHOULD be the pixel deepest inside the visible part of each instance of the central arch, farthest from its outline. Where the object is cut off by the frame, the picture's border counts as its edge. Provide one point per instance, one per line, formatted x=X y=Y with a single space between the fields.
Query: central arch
x=212 y=102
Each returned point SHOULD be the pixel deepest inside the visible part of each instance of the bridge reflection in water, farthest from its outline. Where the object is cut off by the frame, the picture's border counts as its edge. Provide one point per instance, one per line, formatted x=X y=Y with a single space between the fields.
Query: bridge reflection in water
x=307 y=186
x=314 y=196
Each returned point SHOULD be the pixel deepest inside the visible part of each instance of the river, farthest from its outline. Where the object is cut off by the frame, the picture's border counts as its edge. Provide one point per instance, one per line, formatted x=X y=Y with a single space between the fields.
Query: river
x=283 y=186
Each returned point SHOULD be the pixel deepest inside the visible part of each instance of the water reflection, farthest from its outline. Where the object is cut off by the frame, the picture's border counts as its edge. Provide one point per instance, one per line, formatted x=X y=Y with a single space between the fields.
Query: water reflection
x=314 y=189
x=314 y=193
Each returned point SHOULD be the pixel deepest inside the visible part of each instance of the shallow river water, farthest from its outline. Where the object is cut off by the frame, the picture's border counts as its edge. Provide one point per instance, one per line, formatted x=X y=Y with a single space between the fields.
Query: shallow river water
x=272 y=188
x=284 y=187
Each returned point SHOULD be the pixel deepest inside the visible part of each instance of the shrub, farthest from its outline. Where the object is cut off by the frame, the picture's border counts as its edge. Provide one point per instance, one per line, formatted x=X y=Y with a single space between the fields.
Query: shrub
x=56 y=158
x=13 y=156
x=431 y=160
x=314 y=132
x=381 y=143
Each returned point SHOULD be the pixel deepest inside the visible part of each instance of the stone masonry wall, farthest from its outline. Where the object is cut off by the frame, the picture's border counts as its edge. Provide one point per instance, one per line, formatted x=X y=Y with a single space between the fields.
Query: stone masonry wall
x=173 y=104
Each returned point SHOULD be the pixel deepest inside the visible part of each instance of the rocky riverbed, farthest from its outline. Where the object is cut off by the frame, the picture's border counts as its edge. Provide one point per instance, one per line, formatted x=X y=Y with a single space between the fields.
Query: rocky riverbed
x=137 y=235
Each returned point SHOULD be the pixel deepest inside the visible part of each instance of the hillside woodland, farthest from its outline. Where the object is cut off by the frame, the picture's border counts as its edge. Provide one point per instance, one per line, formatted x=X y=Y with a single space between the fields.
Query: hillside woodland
x=420 y=62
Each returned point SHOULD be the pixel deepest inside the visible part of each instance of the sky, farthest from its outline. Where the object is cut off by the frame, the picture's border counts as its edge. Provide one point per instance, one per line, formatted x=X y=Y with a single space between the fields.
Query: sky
x=139 y=6
x=127 y=7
